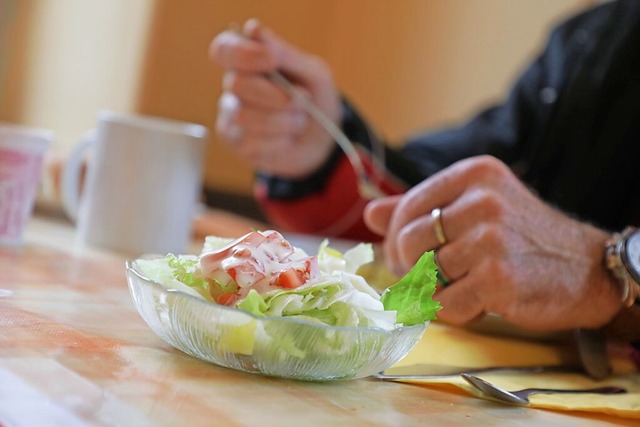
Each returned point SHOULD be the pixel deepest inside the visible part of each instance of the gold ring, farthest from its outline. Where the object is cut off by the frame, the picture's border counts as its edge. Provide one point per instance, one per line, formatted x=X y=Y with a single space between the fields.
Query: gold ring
x=438 y=231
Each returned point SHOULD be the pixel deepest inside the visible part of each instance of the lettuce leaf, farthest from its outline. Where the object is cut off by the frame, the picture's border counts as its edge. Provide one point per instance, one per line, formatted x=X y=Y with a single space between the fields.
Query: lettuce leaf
x=181 y=273
x=412 y=296
x=338 y=301
x=332 y=260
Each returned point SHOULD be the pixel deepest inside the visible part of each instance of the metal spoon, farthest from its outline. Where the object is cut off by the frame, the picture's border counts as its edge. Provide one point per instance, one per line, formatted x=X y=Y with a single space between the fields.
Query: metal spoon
x=521 y=397
x=431 y=371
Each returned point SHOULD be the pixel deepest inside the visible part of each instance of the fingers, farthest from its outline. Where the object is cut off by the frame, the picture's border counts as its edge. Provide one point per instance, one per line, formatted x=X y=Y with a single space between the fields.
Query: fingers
x=444 y=187
x=257 y=49
x=465 y=193
x=409 y=231
x=253 y=49
x=234 y=51
x=485 y=241
x=257 y=90
x=253 y=108
x=228 y=106
x=236 y=121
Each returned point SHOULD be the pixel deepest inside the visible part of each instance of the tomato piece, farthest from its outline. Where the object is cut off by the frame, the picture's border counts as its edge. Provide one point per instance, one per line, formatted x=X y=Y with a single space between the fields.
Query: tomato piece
x=245 y=275
x=227 y=298
x=289 y=279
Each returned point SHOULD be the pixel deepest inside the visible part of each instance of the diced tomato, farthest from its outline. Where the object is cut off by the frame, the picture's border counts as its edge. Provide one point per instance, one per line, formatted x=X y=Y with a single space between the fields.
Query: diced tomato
x=227 y=298
x=290 y=278
x=245 y=275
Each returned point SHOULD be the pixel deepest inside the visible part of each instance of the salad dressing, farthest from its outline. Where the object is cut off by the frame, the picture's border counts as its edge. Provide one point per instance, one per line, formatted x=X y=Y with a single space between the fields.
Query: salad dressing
x=259 y=261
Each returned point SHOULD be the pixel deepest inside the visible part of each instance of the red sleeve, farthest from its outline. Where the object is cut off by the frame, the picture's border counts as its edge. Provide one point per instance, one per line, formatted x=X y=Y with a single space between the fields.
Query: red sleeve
x=336 y=211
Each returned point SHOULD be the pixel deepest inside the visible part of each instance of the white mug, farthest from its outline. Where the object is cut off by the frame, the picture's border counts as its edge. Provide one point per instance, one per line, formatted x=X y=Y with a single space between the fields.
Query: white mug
x=143 y=179
x=22 y=150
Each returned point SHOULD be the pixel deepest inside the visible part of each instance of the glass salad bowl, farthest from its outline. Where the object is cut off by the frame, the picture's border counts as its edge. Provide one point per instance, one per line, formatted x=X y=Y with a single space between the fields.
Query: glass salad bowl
x=273 y=346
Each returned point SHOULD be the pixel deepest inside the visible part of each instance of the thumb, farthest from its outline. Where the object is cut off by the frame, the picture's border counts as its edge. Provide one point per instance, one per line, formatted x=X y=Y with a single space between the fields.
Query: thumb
x=377 y=213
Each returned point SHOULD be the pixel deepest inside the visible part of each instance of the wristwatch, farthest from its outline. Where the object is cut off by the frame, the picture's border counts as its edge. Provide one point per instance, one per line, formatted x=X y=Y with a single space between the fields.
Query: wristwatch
x=622 y=257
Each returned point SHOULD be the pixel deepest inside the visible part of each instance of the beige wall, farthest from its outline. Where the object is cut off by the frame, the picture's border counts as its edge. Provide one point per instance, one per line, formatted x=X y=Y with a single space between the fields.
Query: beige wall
x=67 y=59
x=15 y=25
x=408 y=64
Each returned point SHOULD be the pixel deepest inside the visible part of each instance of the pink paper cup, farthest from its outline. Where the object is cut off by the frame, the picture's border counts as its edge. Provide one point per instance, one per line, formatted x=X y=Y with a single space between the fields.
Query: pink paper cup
x=22 y=151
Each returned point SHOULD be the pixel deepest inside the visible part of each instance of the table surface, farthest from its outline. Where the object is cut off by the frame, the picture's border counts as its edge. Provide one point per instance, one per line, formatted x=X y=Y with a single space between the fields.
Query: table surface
x=74 y=352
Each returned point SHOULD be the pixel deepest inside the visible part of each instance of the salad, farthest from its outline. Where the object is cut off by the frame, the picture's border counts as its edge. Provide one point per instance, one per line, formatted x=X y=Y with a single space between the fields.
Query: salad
x=263 y=274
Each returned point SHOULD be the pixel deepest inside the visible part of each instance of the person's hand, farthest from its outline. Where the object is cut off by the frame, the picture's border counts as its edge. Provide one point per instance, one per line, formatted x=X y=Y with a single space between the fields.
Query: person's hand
x=506 y=252
x=256 y=117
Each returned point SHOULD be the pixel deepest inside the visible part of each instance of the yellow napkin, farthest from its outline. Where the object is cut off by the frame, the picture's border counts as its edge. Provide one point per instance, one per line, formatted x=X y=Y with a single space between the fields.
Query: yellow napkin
x=453 y=346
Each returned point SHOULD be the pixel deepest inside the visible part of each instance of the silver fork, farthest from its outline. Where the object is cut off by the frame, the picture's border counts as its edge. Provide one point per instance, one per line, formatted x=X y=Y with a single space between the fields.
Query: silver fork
x=521 y=397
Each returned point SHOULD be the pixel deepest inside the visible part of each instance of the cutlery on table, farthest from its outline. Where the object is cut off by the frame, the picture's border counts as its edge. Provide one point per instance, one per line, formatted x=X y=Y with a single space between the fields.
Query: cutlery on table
x=430 y=371
x=521 y=397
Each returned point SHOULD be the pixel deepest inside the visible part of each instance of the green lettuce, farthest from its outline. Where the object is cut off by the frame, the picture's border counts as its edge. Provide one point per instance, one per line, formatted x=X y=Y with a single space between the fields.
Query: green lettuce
x=412 y=296
x=181 y=273
x=336 y=301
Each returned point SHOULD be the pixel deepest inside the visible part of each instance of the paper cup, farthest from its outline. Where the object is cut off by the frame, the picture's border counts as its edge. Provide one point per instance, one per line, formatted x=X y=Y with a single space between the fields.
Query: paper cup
x=22 y=151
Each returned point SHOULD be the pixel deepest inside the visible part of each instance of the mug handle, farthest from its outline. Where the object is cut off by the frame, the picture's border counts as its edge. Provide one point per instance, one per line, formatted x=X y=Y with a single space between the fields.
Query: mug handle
x=71 y=176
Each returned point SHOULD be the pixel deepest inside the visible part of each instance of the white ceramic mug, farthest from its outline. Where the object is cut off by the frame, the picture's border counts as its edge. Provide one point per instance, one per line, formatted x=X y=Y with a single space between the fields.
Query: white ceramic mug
x=22 y=150
x=142 y=183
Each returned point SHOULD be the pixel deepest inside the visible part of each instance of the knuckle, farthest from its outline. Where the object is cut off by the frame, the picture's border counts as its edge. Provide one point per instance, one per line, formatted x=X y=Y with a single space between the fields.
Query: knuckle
x=492 y=236
x=489 y=166
x=488 y=204
x=493 y=206
x=497 y=272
